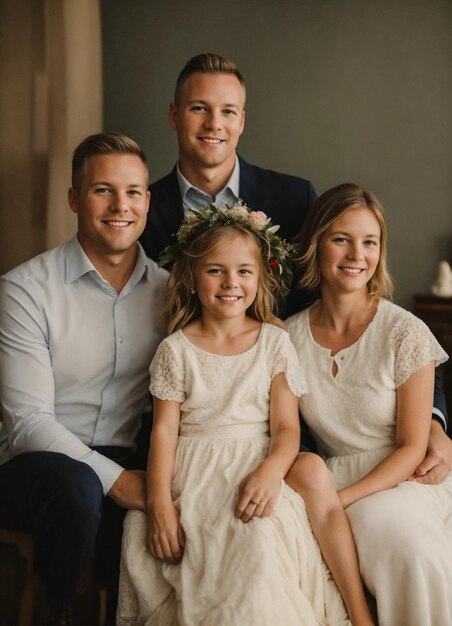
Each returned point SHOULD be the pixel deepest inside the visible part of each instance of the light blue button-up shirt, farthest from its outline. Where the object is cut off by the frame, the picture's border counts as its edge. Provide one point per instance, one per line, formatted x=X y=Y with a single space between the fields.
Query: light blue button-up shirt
x=74 y=356
x=194 y=198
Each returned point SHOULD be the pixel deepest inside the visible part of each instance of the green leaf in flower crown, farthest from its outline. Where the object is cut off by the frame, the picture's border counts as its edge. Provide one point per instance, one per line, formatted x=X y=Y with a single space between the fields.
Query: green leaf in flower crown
x=169 y=254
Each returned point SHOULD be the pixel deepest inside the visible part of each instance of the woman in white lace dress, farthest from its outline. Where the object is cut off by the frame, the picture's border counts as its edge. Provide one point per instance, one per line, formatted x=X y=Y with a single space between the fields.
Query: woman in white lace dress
x=226 y=542
x=370 y=371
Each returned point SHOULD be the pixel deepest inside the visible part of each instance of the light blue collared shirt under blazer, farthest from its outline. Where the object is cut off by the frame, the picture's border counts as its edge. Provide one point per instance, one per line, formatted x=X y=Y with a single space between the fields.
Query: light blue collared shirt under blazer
x=74 y=356
x=194 y=198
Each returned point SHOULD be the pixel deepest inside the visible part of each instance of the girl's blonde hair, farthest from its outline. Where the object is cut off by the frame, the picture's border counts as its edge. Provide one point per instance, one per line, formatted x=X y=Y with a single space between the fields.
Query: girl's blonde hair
x=183 y=306
x=329 y=207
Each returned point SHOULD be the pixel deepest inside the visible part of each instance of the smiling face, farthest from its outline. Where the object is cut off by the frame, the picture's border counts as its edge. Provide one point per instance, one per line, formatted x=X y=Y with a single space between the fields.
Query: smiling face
x=349 y=251
x=209 y=120
x=227 y=277
x=111 y=205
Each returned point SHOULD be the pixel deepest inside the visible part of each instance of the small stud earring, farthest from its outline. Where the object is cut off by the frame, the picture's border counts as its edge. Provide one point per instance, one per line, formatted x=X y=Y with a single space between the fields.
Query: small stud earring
x=192 y=291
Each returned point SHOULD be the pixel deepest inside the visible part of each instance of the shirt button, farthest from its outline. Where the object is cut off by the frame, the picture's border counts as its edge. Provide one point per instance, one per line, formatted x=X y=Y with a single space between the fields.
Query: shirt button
x=120 y=339
x=342 y=358
x=104 y=417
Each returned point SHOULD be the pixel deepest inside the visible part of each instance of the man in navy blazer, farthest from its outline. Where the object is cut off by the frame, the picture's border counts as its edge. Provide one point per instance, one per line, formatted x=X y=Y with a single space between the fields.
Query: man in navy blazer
x=208 y=115
x=285 y=198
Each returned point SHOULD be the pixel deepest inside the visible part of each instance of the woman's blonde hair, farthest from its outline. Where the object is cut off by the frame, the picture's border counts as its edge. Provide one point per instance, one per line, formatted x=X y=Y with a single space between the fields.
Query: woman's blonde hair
x=329 y=207
x=183 y=305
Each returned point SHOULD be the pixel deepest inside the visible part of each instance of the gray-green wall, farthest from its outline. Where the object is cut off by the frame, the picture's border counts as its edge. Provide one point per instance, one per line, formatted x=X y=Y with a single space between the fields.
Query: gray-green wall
x=338 y=90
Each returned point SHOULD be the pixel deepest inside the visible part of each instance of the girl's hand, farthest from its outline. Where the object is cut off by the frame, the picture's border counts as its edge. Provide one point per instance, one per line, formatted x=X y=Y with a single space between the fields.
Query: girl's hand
x=165 y=538
x=257 y=494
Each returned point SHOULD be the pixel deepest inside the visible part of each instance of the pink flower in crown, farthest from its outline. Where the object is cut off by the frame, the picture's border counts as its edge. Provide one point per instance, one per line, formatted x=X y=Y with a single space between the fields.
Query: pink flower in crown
x=257 y=219
x=238 y=211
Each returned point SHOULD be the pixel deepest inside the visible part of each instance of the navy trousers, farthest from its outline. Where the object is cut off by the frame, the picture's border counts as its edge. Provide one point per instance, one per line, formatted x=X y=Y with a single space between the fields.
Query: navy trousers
x=61 y=503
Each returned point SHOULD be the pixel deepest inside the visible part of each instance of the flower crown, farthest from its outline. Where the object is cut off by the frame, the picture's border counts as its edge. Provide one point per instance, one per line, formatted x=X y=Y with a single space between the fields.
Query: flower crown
x=275 y=251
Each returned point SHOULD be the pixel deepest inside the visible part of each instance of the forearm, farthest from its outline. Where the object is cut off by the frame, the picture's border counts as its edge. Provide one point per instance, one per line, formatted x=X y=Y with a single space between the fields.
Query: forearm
x=394 y=469
x=160 y=469
x=283 y=450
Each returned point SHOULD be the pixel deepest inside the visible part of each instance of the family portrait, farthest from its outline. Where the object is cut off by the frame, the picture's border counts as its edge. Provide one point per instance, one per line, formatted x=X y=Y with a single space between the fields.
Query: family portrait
x=225 y=382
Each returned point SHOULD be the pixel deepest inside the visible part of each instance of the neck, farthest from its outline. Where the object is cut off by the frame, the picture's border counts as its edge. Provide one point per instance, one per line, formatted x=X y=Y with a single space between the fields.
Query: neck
x=223 y=328
x=341 y=312
x=211 y=180
x=116 y=269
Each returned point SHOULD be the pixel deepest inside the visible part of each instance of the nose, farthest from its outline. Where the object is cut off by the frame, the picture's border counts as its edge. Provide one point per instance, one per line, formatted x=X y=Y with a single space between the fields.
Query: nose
x=120 y=202
x=356 y=252
x=212 y=121
x=229 y=281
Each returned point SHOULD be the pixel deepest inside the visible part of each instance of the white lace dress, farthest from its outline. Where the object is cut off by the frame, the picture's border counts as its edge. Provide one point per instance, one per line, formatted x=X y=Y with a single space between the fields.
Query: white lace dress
x=403 y=535
x=268 y=572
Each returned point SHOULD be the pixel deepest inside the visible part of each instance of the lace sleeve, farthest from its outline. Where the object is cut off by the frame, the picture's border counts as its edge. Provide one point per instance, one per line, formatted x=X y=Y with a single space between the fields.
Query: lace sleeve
x=167 y=375
x=415 y=346
x=286 y=361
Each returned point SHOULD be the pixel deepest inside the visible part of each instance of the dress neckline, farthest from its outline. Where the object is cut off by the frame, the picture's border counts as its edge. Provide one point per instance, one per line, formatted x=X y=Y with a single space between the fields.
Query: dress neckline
x=352 y=345
x=224 y=356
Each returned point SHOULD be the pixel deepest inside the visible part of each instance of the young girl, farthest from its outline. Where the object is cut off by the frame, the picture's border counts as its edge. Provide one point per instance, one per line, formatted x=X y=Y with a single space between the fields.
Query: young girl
x=370 y=371
x=228 y=542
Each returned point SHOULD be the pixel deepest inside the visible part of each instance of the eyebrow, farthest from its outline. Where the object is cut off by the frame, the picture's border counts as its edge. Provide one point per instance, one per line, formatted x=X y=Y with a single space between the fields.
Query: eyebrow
x=343 y=232
x=107 y=183
x=241 y=264
x=205 y=103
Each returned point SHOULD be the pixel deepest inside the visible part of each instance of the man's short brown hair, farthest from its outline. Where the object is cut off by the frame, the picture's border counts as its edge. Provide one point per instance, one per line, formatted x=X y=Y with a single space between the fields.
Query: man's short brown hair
x=102 y=143
x=206 y=63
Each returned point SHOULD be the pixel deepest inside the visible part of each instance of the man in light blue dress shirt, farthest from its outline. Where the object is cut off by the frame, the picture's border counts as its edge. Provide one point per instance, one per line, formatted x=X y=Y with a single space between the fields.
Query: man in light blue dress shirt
x=79 y=326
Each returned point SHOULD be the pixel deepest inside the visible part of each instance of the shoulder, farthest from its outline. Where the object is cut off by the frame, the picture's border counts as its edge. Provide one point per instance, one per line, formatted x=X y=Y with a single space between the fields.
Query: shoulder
x=39 y=269
x=285 y=198
x=165 y=184
x=397 y=320
x=157 y=274
x=170 y=350
x=274 y=337
x=296 y=323
x=250 y=172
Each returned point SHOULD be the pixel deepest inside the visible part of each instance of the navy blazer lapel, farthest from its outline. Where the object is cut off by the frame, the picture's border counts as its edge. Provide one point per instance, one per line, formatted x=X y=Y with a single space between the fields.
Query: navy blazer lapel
x=251 y=190
x=168 y=207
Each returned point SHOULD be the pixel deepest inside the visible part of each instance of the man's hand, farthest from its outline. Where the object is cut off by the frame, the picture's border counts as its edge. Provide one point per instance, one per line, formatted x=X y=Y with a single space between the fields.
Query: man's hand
x=438 y=460
x=129 y=490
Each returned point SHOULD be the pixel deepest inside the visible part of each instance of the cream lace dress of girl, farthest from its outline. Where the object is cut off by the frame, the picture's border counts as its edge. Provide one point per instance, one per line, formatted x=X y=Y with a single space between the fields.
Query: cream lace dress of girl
x=403 y=535
x=268 y=572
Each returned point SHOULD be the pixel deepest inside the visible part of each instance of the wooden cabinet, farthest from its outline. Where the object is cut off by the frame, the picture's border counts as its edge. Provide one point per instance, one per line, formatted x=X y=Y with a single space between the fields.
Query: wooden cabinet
x=437 y=314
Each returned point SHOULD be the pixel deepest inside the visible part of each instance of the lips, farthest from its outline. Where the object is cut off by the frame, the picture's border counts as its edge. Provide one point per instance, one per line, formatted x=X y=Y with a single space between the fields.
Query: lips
x=353 y=271
x=117 y=223
x=211 y=140
x=228 y=298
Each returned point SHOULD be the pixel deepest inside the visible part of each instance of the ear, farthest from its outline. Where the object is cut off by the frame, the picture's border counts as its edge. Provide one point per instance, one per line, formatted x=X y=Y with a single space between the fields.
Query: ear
x=72 y=196
x=172 y=116
x=148 y=198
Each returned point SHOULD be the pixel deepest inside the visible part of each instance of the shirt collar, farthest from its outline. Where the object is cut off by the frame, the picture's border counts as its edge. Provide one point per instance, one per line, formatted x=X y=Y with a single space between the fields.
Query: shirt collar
x=233 y=183
x=78 y=264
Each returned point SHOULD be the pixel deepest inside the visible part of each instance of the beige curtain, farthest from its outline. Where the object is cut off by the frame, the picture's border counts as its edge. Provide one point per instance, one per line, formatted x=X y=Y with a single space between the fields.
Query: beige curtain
x=73 y=38
x=50 y=99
